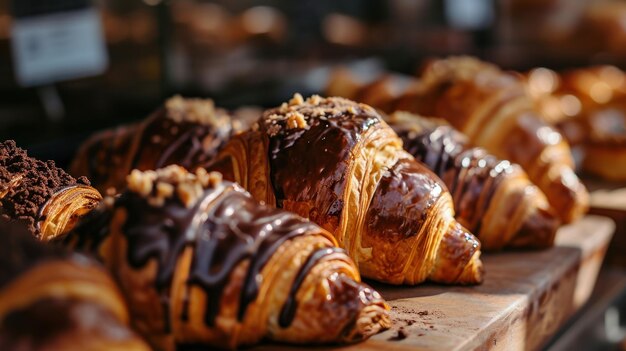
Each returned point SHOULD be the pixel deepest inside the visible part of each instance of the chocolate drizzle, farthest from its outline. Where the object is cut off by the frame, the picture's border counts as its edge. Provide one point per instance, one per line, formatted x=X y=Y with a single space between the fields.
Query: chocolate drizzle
x=288 y=312
x=225 y=227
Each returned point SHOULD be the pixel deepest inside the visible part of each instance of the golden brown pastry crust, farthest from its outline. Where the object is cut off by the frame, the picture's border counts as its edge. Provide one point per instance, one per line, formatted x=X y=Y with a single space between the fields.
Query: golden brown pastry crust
x=202 y=263
x=337 y=163
x=53 y=300
x=494 y=198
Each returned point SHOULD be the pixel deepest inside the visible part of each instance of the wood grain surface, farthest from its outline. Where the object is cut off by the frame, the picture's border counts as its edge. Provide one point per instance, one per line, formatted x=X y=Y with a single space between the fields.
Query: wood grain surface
x=524 y=300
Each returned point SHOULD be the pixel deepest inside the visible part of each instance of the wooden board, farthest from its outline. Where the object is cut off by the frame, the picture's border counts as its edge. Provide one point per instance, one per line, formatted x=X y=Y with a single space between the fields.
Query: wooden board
x=606 y=195
x=609 y=199
x=524 y=300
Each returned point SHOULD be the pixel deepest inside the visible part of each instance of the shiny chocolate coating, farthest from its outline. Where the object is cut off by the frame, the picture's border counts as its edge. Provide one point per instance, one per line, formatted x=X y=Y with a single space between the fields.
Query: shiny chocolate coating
x=288 y=312
x=316 y=179
x=396 y=213
x=184 y=142
x=471 y=174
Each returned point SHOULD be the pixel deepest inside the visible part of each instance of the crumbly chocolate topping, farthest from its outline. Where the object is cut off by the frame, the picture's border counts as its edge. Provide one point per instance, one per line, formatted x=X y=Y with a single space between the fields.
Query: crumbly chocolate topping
x=201 y=111
x=298 y=112
x=27 y=183
x=162 y=184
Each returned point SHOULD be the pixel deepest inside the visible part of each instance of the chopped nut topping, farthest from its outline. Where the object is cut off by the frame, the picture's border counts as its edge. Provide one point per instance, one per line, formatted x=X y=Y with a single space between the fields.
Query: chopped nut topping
x=164 y=190
x=302 y=114
x=297 y=99
x=296 y=120
x=273 y=130
x=163 y=184
x=314 y=100
x=215 y=178
x=194 y=110
x=139 y=182
x=189 y=193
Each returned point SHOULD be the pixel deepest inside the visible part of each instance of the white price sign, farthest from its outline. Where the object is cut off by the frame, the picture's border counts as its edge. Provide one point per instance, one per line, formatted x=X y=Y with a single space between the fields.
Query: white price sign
x=58 y=46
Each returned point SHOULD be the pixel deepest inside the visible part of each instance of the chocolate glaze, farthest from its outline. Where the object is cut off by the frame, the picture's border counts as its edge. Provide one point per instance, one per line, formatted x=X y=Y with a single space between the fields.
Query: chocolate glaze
x=309 y=166
x=288 y=312
x=162 y=142
x=225 y=227
x=395 y=212
x=471 y=174
x=181 y=142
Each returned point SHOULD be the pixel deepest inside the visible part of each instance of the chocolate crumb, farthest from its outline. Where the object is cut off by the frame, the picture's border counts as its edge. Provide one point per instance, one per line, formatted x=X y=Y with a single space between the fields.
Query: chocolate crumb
x=27 y=183
x=401 y=335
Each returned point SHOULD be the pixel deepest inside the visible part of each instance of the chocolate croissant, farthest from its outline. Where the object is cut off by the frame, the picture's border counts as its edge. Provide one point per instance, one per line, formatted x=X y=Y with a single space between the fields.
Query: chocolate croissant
x=46 y=197
x=202 y=263
x=187 y=132
x=54 y=300
x=494 y=198
x=339 y=164
x=492 y=108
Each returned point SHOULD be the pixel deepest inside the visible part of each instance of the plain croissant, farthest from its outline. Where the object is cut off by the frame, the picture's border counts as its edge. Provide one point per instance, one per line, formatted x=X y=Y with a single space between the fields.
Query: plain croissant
x=187 y=132
x=46 y=197
x=54 y=300
x=493 y=109
x=203 y=263
x=494 y=198
x=339 y=164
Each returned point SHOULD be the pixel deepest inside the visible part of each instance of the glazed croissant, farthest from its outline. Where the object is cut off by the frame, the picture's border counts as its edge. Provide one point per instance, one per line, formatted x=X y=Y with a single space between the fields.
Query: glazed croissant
x=202 y=263
x=54 y=300
x=337 y=163
x=45 y=196
x=491 y=107
x=187 y=132
x=494 y=198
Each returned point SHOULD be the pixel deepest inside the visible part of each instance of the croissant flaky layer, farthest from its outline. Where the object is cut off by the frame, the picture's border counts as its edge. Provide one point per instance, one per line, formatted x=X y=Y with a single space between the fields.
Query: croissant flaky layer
x=187 y=132
x=46 y=197
x=202 y=263
x=337 y=163
x=494 y=198
x=53 y=300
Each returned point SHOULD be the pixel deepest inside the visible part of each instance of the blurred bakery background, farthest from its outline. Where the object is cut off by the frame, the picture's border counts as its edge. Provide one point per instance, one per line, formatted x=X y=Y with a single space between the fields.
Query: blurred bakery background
x=259 y=52
x=71 y=67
